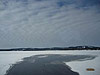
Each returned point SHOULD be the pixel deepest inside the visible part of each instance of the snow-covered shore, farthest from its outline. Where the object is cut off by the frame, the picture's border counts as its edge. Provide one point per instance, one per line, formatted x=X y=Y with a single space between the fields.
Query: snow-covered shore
x=81 y=66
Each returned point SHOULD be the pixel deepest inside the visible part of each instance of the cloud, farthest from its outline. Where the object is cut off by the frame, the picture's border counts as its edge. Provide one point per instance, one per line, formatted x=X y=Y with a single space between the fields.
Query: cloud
x=46 y=23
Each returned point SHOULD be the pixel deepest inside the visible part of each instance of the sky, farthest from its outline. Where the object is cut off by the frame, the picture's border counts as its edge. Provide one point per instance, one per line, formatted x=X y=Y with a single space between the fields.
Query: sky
x=49 y=23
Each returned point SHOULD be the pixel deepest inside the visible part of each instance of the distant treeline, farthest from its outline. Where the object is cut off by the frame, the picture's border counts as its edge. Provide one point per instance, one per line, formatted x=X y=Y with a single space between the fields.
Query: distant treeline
x=54 y=48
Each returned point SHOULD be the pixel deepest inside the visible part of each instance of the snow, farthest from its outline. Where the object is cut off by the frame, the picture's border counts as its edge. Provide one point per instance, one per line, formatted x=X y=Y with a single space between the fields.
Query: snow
x=11 y=57
x=81 y=66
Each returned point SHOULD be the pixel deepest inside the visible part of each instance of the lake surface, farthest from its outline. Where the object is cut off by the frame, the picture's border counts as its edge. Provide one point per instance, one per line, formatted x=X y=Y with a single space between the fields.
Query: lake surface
x=46 y=62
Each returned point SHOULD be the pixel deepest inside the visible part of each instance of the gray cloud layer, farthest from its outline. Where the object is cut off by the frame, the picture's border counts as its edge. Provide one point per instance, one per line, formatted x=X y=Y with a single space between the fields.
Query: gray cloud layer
x=46 y=23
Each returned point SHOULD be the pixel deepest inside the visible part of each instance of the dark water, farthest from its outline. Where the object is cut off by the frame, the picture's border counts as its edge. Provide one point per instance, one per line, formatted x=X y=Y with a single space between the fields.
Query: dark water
x=46 y=65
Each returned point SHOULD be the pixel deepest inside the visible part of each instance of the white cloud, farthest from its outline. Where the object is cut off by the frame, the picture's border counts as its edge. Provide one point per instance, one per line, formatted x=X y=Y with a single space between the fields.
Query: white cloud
x=44 y=23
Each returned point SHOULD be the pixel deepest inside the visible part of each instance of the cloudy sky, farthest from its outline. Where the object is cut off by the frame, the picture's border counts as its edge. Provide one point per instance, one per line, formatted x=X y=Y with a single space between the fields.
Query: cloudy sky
x=47 y=23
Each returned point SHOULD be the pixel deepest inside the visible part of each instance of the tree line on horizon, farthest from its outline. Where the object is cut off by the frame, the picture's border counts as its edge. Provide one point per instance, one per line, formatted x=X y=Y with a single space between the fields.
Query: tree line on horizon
x=54 y=48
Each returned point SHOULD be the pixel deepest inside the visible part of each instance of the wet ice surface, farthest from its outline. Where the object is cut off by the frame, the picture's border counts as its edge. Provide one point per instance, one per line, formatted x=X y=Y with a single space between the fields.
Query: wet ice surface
x=9 y=58
x=52 y=64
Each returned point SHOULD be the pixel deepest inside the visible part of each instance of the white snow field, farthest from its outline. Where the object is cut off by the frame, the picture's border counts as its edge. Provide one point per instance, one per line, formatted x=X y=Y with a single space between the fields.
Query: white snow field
x=8 y=58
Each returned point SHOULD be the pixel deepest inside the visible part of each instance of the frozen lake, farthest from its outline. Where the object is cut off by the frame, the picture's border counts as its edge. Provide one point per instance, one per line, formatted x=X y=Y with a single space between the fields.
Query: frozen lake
x=7 y=59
